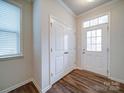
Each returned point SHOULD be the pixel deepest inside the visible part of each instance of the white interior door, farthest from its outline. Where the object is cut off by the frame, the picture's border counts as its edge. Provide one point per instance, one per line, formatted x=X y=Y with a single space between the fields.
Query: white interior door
x=62 y=54
x=57 y=51
x=95 y=49
x=69 y=49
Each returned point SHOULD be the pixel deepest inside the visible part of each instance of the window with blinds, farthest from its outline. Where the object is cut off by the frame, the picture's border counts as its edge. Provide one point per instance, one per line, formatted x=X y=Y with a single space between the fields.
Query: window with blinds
x=9 y=29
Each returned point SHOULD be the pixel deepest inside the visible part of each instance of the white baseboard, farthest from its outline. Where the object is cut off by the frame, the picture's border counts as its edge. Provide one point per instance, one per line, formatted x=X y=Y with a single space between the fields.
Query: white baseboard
x=46 y=89
x=78 y=68
x=21 y=84
x=64 y=74
x=36 y=85
x=68 y=71
x=16 y=86
x=118 y=80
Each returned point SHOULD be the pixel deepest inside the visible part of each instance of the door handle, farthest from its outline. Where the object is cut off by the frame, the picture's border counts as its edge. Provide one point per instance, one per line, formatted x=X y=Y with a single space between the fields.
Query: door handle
x=83 y=52
x=65 y=52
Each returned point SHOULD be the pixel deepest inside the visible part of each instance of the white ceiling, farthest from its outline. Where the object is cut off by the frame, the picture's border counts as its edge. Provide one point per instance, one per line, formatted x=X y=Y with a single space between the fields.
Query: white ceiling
x=29 y=0
x=81 y=6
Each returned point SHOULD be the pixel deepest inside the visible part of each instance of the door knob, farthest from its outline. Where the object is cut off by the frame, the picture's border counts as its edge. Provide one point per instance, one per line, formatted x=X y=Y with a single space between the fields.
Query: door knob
x=65 y=52
x=83 y=51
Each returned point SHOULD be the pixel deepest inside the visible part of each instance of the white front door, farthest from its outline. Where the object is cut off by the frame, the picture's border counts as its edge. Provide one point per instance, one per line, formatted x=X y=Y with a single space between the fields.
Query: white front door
x=95 y=49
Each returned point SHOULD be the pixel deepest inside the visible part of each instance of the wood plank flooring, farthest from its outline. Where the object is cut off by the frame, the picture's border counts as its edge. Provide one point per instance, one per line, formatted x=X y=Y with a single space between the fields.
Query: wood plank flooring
x=77 y=82
x=84 y=82
x=28 y=88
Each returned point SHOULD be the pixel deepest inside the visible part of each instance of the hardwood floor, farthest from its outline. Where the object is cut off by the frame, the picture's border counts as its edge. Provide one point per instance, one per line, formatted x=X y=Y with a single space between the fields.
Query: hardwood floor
x=28 y=88
x=84 y=82
x=78 y=82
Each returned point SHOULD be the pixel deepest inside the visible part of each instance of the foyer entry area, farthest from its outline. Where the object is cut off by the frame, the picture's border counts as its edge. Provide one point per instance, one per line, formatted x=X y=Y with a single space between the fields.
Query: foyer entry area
x=79 y=81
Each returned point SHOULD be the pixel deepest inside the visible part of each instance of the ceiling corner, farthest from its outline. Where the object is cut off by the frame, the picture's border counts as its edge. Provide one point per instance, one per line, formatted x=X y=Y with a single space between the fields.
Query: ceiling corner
x=66 y=7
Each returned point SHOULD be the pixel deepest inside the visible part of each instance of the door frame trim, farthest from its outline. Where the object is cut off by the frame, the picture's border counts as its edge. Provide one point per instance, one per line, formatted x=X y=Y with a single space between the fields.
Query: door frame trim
x=50 y=29
x=108 y=42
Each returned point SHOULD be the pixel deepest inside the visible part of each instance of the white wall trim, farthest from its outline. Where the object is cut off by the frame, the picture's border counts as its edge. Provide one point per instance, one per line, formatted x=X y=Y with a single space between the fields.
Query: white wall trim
x=16 y=86
x=21 y=84
x=46 y=89
x=64 y=74
x=52 y=17
x=117 y=80
x=36 y=85
x=66 y=7
x=79 y=68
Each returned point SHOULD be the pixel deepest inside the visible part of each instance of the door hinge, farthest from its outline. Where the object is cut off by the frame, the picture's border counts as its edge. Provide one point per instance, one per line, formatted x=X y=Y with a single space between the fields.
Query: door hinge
x=51 y=50
x=51 y=24
x=107 y=28
x=107 y=71
x=107 y=49
x=51 y=74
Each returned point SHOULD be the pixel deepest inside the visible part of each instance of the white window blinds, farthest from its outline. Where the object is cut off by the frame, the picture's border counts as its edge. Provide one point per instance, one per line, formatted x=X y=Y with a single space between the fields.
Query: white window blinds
x=9 y=29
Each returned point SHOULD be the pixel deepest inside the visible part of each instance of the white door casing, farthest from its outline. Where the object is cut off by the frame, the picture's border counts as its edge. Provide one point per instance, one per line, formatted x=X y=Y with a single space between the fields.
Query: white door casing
x=95 y=50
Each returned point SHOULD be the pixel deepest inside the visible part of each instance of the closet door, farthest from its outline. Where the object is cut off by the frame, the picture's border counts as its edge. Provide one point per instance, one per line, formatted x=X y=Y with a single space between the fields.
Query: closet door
x=57 y=51
x=62 y=50
x=69 y=49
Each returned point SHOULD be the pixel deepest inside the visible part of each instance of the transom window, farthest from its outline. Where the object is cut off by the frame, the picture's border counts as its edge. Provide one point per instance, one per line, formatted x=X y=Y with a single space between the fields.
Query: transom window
x=9 y=29
x=96 y=21
x=94 y=40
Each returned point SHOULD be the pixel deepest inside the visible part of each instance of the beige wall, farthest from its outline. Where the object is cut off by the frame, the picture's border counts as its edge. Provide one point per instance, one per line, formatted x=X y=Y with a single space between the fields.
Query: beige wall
x=17 y=70
x=20 y=69
x=116 y=10
x=51 y=7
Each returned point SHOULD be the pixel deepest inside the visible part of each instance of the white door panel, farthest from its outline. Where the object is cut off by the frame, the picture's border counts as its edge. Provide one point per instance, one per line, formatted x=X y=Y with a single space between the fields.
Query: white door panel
x=69 y=59
x=59 y=39
x=72 y=58
x=59 y=65
x=72 y=40
x=66 y=61
x=69 y=48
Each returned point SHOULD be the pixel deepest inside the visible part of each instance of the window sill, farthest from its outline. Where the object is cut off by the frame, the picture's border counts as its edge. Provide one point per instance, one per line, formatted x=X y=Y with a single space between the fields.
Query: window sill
x=11 y=57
